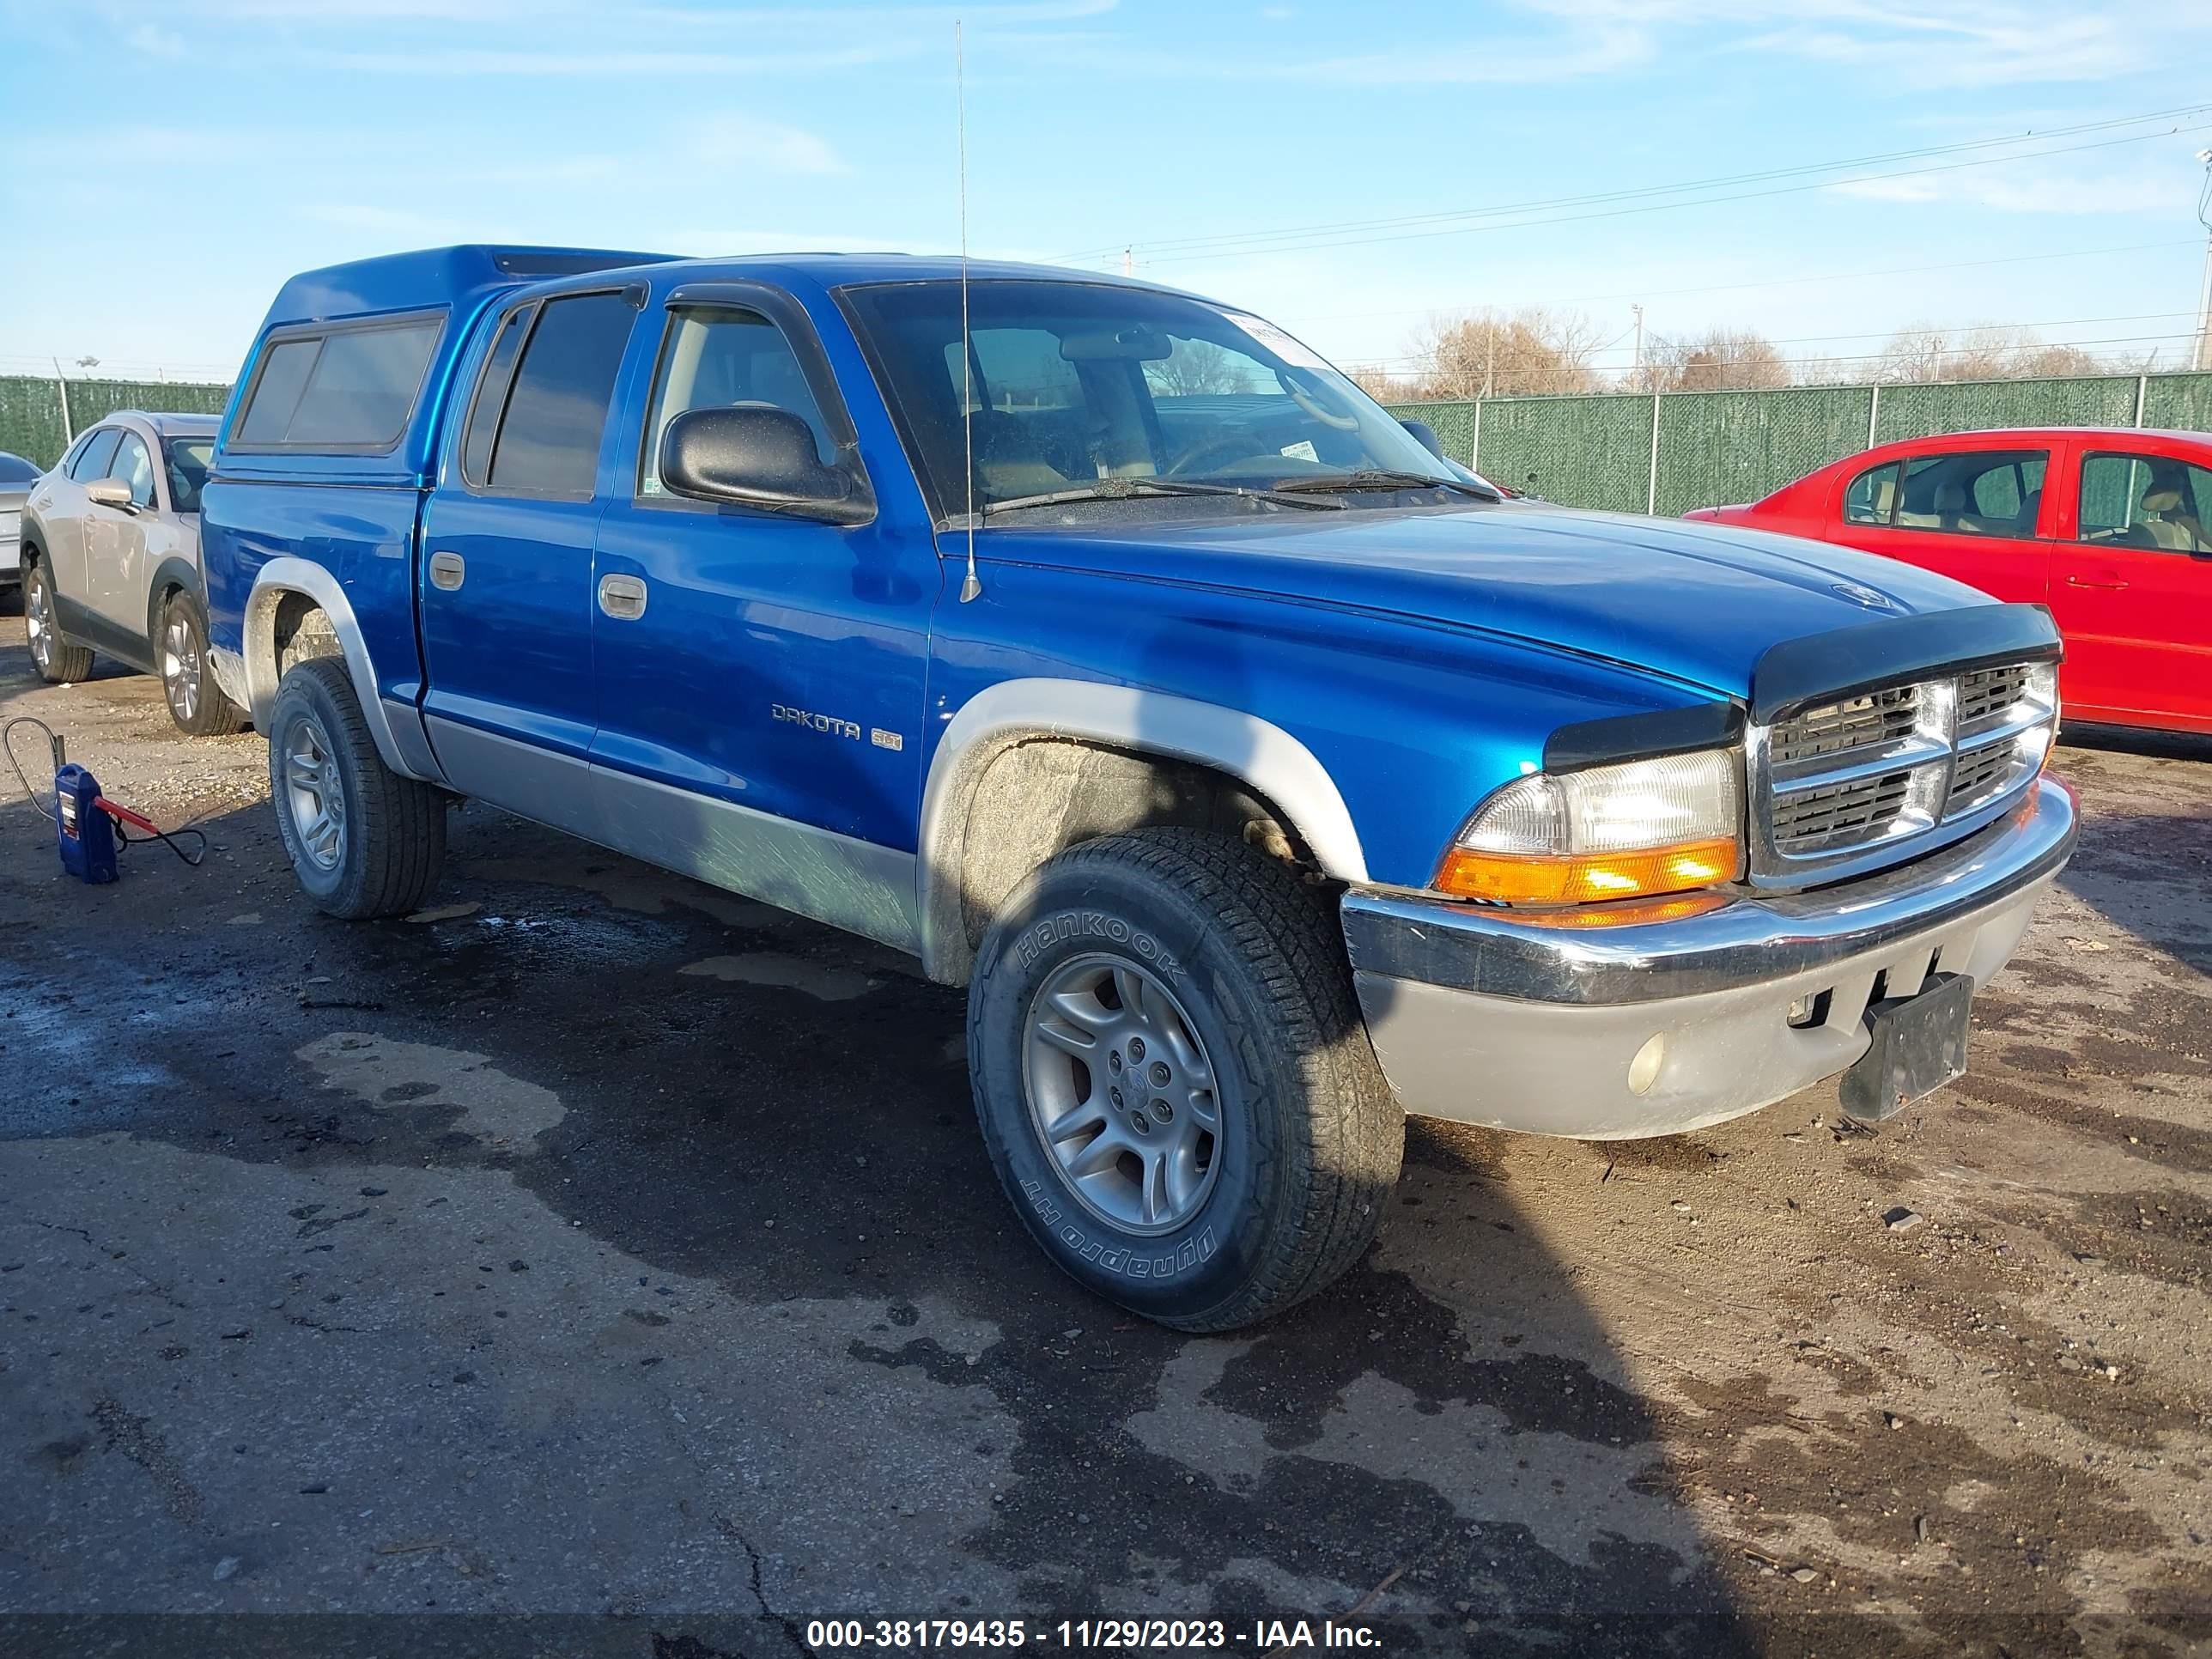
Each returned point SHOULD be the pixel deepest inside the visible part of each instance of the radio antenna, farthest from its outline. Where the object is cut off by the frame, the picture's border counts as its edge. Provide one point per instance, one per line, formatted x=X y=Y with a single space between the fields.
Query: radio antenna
x=970 y=587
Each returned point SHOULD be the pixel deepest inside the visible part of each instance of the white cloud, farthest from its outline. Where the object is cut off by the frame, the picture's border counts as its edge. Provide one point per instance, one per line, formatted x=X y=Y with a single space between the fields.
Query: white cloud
x=748 y=143
x=155 y=41
x=2049 y=193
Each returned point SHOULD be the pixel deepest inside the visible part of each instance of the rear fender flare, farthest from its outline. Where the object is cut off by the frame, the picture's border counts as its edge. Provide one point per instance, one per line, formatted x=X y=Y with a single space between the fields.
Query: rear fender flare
x=287 y=575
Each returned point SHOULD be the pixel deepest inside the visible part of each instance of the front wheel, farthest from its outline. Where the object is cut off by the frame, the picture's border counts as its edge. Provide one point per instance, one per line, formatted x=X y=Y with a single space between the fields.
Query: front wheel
x=196 y=703
x=363 y=841
x=1173 y=1080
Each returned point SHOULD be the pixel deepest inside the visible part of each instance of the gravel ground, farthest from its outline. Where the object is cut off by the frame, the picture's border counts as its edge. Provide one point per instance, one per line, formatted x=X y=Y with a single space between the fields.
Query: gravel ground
x=608 y=1246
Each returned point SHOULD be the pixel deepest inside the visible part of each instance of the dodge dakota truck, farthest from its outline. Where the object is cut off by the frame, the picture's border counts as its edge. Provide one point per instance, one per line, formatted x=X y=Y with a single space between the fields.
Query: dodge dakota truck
x=1262 y=775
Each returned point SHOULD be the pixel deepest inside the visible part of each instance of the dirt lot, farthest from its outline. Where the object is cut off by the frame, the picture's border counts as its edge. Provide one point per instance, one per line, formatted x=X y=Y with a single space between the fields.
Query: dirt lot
x=610 y=1246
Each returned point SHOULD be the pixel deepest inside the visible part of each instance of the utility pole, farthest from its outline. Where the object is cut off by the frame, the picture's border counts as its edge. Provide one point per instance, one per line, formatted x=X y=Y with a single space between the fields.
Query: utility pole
x=1636 y=363
x=2197 y=357
x=1129 y=260
x=1489 y=352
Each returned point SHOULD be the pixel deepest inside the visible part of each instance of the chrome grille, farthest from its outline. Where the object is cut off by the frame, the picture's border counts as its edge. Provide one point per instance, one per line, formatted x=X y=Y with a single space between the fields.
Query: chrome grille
x=1986 y=693
x=1841 y=815
x=1873 y=778
x=1855 y=723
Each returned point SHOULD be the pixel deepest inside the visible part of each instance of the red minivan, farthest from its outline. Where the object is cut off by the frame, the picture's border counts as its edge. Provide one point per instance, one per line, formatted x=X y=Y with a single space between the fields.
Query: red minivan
x=2108 y=527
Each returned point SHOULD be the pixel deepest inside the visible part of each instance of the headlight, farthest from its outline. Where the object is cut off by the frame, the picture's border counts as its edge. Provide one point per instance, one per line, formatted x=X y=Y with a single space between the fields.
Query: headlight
x=1611 y=832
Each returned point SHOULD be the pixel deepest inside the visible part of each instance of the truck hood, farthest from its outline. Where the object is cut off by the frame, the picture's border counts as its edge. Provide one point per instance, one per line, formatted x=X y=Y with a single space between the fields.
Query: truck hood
x=1696 y=602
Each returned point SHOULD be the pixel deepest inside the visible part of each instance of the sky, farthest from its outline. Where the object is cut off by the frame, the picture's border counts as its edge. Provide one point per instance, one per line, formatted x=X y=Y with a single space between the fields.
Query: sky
x=1349 y=171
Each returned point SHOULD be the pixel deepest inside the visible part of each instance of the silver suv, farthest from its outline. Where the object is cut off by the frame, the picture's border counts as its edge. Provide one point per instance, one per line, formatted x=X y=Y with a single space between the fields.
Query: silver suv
x=111 y=551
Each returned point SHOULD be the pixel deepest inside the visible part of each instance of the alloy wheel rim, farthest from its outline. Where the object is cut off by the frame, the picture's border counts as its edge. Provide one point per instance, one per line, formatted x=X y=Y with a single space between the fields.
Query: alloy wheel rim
x=312 y=794
x=180 y=668
x=1122 y=1094
x=37 y=621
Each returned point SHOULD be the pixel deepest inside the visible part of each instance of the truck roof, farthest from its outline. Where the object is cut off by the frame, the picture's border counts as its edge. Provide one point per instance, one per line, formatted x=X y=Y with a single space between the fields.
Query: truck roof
x=434 y=276
x=454 y=275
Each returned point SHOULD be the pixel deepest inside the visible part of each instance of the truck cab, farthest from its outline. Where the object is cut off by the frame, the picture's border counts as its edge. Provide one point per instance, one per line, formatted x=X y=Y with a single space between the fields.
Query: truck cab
x=1260 y=775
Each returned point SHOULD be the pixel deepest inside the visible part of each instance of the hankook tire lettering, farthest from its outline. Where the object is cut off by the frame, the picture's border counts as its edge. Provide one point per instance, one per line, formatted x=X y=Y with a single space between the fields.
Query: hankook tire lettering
x=1095 y=924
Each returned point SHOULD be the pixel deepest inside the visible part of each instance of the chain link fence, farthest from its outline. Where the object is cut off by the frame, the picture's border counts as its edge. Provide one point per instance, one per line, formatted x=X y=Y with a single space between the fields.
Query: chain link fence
x=1669 y=452
x=40 y=415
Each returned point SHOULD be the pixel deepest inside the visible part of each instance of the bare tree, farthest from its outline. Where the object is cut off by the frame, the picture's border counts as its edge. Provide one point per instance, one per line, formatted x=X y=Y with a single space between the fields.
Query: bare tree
x=1385 y=388
x=1504 y=354
x=1922 y=353
x=1719 y=359
x=1199 y=368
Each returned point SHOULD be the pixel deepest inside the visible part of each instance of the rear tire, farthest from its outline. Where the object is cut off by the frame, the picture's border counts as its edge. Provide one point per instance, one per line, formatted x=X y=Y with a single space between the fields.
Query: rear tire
x=363 y=841
x=1177 y=966
x=59 y=661
x=196 y=703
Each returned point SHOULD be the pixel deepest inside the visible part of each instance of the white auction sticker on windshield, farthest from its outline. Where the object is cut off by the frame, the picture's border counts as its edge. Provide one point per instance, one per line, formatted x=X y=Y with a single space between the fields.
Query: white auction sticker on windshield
x=1281 y=344
x=1300 y=451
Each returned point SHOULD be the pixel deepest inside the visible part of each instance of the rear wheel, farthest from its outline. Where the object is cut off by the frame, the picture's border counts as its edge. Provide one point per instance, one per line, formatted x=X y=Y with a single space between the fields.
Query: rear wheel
x=363 y=841
x=59 y=662
x=1173 y=1080
x=196 y=703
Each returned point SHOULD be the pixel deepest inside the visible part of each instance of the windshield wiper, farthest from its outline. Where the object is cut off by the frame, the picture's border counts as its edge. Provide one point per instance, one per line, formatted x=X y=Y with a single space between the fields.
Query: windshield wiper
x=1340 y=483
x=1115 y=490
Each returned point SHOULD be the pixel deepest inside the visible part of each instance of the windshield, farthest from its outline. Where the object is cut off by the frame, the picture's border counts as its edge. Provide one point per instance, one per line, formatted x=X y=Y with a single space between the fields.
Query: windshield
x=188 y=469
x=1071 y=384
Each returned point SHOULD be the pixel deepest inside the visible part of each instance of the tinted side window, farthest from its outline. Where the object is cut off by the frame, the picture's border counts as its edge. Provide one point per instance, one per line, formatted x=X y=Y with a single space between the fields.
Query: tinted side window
x=13 y=468
x=491 y=393
x=717 y=358
x=91 y=460
x=135 y=467
x=1979 y=493
x=363 y=387
x=277 y=391
x=549 y=439
x=188 y=469
x=2146 y=500
x=1872 y=497
x=353 y=389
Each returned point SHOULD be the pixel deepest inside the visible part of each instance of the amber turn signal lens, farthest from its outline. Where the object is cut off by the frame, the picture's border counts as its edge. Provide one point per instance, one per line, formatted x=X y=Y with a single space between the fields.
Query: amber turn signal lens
x=1506 y=878
x=1636 y=913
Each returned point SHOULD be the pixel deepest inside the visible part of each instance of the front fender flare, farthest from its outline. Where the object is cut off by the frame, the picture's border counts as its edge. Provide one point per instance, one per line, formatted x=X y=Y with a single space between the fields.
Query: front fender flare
x=1266 y=759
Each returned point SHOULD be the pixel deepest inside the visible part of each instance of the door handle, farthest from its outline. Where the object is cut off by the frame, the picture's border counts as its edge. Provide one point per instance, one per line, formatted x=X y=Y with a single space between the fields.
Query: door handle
x=2114 y=585
x=622 y=598
x=447 y=570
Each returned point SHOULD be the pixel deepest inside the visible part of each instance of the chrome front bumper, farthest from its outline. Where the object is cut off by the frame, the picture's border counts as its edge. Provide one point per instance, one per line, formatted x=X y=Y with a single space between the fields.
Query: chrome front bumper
x=1484 y=1018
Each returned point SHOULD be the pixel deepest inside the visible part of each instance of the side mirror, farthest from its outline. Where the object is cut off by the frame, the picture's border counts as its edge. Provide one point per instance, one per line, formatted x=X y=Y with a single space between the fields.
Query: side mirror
x=109 y=492
x=757 y=455
x=1427 y=435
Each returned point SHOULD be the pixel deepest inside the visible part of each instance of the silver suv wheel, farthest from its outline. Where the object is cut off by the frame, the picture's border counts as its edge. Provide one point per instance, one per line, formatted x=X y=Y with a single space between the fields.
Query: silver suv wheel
x=180 y=669
x=1122 y=1094
x=314 y=793
x=38 y=618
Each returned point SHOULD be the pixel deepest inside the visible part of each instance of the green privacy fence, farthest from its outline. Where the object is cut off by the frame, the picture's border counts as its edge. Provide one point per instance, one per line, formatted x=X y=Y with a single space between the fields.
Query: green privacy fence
x=38 y=415
x=1631 y=451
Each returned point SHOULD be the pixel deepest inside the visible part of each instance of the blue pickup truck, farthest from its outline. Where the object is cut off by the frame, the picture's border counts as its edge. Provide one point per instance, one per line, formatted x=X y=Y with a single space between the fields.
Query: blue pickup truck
x=1261 y=774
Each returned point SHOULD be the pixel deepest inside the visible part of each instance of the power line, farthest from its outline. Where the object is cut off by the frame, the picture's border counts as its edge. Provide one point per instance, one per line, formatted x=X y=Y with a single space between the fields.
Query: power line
x=1228 y=253
x=1564 y=372
x=1963 y=329
x=1766 y=283
x=1236 y=238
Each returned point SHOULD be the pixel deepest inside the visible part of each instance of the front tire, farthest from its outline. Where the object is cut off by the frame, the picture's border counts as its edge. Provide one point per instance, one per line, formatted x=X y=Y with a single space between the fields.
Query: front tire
x=1174 y=1082
x=196 y=703
x=363 y=841
x=59 y=661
